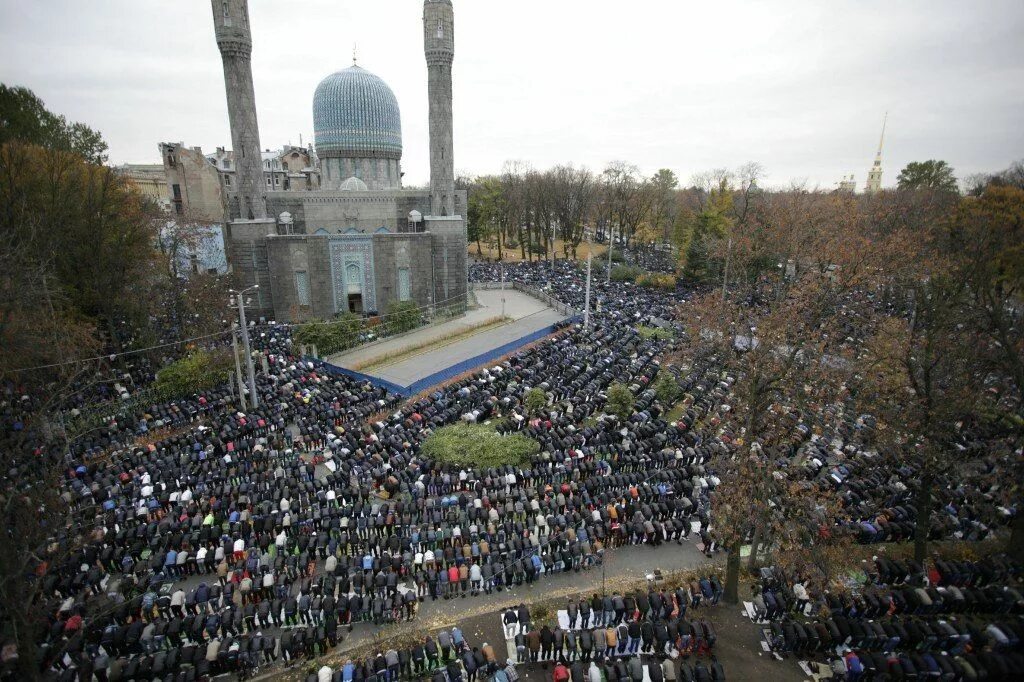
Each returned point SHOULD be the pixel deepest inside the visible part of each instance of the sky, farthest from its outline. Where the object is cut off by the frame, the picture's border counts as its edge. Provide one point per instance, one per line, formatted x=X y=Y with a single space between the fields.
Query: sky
x=799 y=86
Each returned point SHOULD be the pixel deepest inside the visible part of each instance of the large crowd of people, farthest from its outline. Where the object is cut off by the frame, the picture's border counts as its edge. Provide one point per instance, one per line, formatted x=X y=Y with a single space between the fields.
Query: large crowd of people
x=220 y=538
x=954 y=621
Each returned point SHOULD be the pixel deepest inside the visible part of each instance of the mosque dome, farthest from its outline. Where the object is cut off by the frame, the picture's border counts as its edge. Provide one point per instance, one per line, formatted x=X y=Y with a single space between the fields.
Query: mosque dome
x=355 y=114
x=353 y=184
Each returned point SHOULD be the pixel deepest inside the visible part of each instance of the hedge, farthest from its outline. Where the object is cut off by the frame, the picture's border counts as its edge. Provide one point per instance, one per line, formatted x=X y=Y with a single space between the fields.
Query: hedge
x=476 y=445
x=625 y=273
x=199 y=371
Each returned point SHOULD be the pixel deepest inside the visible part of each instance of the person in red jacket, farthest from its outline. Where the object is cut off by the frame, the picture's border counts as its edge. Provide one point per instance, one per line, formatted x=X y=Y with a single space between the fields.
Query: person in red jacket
x=453 y=580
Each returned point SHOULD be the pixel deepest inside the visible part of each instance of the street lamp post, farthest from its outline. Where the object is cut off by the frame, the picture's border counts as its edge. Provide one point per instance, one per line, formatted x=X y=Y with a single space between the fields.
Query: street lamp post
x=253 y=397
x=586 y=298
x=238 y=368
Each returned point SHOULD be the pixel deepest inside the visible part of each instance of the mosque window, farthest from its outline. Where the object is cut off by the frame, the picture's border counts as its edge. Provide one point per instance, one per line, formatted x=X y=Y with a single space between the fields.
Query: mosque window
x=302 y=287
x=440 y=28
x=404 y=285
x=227 y=13
x=354 y=278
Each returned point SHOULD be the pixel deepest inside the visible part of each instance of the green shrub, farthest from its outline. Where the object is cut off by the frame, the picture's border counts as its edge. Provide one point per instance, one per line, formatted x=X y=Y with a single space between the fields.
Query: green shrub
x=199 y=371
x=402 y=316
x=659 y=281
x=617 y=256
x=331 y=336
x=535 y=400
x=656 y=333
x=666 y=388
x=620 y=400
x=625 y=273
x=536 y=248
x=478 y=446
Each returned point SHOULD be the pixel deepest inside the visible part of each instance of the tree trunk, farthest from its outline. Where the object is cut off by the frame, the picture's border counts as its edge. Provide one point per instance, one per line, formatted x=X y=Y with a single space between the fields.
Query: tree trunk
x=732 y=575
x=752 y=561
x=499 y=245
x=923 y=506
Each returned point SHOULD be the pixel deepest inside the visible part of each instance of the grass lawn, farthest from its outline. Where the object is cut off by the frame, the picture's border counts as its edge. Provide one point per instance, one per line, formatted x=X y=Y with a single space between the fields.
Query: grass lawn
x=655 y=333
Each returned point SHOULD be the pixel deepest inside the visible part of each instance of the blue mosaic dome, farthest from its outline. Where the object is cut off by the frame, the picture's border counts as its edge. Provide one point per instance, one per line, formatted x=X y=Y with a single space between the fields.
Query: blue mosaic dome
x=355 y=114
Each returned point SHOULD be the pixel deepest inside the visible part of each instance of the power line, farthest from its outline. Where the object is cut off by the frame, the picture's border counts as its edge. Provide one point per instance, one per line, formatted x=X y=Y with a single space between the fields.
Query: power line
x=111 y=356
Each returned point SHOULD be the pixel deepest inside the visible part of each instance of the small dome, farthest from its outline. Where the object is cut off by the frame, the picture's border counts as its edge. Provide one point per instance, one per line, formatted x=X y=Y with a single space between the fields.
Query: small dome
x=355 y=114
x=415 y=216
x=353 y=184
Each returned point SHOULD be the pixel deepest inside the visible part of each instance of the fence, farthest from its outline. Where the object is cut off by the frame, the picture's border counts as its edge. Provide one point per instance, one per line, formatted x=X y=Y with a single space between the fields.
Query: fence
x=451 y=372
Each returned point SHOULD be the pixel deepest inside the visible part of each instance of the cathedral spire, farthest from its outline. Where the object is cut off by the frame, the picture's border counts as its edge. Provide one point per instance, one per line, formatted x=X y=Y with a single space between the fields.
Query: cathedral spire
x=874 y=182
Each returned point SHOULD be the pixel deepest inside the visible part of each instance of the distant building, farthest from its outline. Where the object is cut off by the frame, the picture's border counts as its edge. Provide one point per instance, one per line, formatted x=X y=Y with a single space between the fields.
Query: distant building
x=848 y=184
x=195 y=248
x=193 y=184
x=150 y=178
x=874 y=183
x=289 y=169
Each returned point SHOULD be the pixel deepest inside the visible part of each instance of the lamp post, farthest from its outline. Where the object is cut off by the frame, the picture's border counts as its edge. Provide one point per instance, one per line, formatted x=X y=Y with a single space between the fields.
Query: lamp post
x=586 y=305
x=253 y=397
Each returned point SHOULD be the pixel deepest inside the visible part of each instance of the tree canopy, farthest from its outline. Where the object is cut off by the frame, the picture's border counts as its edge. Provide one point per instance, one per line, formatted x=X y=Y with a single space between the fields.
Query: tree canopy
x=24 y=117
x=931 y=174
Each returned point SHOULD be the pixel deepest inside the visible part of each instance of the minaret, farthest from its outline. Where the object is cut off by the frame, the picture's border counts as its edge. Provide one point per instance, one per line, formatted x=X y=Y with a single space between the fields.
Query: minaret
x=231 y=21
x=874 y=183
x=439 y=46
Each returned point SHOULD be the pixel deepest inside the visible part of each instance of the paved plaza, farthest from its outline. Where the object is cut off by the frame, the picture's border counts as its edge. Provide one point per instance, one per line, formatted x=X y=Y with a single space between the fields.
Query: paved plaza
x=526 y=315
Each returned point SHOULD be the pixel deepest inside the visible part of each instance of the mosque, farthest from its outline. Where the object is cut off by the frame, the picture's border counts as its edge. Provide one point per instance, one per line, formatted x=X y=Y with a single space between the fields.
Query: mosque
x=359 y=241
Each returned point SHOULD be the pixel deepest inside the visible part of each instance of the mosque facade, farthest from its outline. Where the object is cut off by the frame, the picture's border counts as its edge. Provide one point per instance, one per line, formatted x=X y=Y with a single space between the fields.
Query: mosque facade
x=359 y=240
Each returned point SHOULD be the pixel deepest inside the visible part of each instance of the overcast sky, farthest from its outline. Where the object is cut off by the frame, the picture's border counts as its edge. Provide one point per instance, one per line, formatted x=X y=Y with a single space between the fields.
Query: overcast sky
x=799 y=86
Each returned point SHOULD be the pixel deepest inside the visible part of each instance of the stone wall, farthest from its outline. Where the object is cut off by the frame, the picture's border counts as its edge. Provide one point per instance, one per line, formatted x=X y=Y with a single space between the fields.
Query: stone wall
x=193 y=184
x=247 y=253
x=393 y=252
x=448 y=236
x=338 y=211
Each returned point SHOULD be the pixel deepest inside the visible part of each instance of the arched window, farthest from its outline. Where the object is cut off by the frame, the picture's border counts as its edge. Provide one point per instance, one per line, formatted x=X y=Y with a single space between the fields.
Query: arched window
x=354 y=278
x=321 y=231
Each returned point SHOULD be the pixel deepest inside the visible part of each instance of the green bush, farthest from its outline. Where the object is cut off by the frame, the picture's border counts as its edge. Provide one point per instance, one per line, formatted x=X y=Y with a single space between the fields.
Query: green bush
x=659 y=281
x=402 y=316
x=617 y=256
x=536 y=248
x=620 y=400
x=656 y=333
x=199 y=371
x=625 y=273
x=331 y=336
x=535 y=400
x=666 y=388
x=478 y=446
